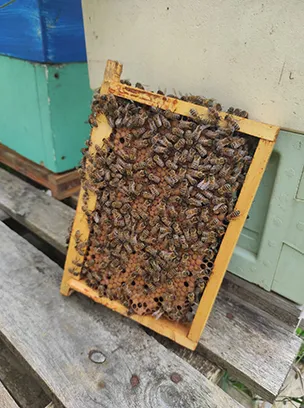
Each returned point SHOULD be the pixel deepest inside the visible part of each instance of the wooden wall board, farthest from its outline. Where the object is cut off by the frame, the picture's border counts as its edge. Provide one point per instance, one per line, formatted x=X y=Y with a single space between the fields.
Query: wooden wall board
x=184 y=334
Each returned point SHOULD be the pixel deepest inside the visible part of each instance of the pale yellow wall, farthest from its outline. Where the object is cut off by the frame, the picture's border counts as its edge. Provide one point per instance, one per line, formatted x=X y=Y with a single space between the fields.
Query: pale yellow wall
x=245 y=53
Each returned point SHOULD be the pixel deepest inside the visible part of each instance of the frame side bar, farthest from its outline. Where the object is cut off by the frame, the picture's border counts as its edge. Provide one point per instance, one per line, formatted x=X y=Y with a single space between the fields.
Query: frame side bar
x=250 y=186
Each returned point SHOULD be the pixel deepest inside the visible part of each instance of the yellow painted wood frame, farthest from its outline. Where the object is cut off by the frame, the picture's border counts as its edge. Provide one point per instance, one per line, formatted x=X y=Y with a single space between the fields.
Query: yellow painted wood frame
x=187 y=335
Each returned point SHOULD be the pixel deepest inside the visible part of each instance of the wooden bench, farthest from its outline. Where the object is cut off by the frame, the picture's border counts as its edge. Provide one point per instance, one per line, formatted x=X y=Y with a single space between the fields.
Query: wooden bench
x=251 y=342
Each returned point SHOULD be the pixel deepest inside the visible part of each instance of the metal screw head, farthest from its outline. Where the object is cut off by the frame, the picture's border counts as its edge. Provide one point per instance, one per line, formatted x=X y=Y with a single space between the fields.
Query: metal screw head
x=175 y=377
x=134 y=380
x=97 y=357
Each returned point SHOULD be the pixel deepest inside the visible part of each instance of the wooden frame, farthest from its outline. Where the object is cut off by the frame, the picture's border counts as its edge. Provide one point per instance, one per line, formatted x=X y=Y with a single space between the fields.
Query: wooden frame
x=186 y=335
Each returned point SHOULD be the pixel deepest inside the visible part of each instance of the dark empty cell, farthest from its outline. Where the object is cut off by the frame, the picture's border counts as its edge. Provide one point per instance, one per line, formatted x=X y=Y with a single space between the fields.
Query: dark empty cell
x=146 y=287
x=156 y=299
x=205 y=259
x=130 y=301
x=133 y=283
x=205 y=278
x=179 y=307
x=139 y=304
x=93 y=256
x=133 y=252
x=122 y=140
x=210 y=264
x=145 y=304
x=106 y=287
x=203 y=266
x=161 y=299
x=148 y=310
x=123 y=283
x=123 y=271
x=186 y=284
x=109 y=277
x=134 y=305
x=159 y=304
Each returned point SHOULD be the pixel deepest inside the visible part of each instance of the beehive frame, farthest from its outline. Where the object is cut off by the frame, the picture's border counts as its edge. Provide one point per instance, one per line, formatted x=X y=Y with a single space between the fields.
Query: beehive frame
x=186 y=335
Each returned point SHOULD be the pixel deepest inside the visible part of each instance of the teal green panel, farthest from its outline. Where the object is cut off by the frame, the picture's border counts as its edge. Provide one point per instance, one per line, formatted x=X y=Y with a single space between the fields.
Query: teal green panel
x=20 y=105
x=69 y=98
x=289 y=277
x=276 y=218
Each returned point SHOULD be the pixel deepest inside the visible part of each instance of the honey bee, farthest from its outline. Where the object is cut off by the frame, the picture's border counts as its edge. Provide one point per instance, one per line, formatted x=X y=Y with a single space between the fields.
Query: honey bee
x=73 y=271
x=191 y=179
x=158 y=161
x=201 y=150
x=191 y=212
x=184 y=156
x=191 y=297
x=234 y=214
x=195 y=116
x=180 y=144
x=182 y=241
x=152 y=177
x=193 y=235
x=226 y=188
x=171 y=179
x=237 y=142
x=171 y=115
x=77 y=236
x=201 y=284
x=160 y=149
x=139 y=132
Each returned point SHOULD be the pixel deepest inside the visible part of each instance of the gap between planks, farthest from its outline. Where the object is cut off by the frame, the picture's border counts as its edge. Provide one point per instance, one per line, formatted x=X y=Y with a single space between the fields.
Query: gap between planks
x=50 y=219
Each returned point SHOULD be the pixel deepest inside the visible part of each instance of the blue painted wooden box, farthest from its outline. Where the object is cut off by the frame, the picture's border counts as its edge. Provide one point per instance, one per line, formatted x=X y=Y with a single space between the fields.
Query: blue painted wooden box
x=42 y=30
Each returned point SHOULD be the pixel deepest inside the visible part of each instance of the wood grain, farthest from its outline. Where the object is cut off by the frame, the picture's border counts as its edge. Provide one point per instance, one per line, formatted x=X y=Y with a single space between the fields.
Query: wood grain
x=253 y=347
x=6 y=401
x=55 y=336
x=41 y=213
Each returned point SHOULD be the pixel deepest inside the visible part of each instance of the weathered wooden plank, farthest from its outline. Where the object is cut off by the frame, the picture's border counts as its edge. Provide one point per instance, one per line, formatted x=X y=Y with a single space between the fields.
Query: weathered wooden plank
x=6 y=401
x=249 y=345
x=279 y=355
x=284 y=310
x=43 y=215
x=58 y=338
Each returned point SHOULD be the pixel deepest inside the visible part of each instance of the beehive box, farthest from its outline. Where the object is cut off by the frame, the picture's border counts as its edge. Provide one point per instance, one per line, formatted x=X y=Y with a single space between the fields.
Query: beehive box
x=160 y=278
x=52 y=104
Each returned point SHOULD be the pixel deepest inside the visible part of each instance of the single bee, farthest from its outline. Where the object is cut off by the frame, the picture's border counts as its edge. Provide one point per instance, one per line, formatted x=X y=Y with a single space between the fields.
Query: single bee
x=237 y=142
x=171 y=115
x=180 y=144
x=184 y=156
x=191 y=297
x=201 y=150
x=158 y=161
x=73 y=271
x=182 y=241
x=191 y=179
x=171 y=137
x=226 y=188
x=152 y=177
x=234 y=214
x=191 y=212
x=171 y=180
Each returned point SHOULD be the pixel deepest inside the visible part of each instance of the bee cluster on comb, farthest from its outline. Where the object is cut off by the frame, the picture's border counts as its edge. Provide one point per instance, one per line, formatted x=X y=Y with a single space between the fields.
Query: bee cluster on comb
x=166 y=188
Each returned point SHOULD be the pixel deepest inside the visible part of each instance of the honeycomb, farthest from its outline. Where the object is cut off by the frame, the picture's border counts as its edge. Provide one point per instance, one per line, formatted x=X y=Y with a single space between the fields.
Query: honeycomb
x=166 y=189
